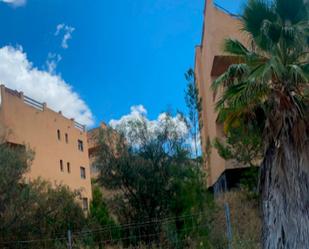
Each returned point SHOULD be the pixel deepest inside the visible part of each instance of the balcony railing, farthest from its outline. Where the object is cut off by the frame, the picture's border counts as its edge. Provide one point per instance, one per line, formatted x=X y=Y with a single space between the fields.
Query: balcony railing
x=13 y=92
x=36 y=104
x=80 y=126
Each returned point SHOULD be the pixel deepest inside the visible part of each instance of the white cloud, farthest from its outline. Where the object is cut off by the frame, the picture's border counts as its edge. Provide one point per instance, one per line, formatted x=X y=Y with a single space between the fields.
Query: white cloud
x=139 y=114
x=59 y=28
x=67 y=34
x=17 y=72
x=15 y=3
x=52 y=62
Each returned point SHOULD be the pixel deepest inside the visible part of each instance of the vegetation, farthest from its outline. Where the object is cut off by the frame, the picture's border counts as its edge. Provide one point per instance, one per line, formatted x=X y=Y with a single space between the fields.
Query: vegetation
x=242 y=144
x=100 y=218
x=153 y=177
x=33 y=210
x=269 y=85
x=99 y=213
x=194 y=105
x=157 y=198
x=245 y=221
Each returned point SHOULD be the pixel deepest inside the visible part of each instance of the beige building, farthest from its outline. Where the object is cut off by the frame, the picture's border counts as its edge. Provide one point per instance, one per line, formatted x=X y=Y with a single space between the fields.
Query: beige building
x=93 y=137
x=59 y=143
x=210 y=62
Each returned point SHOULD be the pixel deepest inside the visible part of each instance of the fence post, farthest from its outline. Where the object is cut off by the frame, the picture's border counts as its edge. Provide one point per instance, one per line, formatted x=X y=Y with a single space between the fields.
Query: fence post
x=228 y=225
x=69 y=239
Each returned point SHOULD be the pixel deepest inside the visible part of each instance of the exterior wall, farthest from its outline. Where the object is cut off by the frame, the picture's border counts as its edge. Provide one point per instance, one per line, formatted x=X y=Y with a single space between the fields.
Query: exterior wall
x=217 y=27
x=93 y=137
x=93 y=140
x=37 y=127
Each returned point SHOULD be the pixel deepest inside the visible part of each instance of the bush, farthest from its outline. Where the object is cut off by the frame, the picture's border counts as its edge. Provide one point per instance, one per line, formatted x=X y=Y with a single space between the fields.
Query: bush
x=36 y=209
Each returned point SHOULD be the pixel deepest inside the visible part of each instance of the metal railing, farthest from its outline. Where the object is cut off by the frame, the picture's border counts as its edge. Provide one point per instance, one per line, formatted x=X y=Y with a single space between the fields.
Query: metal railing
x=13 y=92
x=36 y=104
x=80 y=126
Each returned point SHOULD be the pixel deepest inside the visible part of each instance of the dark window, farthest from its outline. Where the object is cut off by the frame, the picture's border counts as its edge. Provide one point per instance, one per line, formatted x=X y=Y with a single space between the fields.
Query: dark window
x=82 y=173
x=61 y=165
x=58 y=134
x=85 y=204
x=67 y=138
x=80 y=145
x=69 y=167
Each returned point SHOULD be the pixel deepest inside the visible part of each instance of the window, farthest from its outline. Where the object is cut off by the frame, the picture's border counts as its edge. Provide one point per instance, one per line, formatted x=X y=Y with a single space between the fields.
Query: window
x=69 y=167
x=82 y=173
x=80 y=145
x=85 y=204
x=58 y=134
x=61 y=165
x=67 y=138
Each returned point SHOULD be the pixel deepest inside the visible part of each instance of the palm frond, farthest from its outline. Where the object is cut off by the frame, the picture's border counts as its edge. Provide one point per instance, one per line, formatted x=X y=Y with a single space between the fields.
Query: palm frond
x=297 y=74
x=243 y=96
x=233 y=75
x=235 y=47
x=291 y=11
x=305 y=68
x=255 y=13
x=271 y=70
x=270 y=32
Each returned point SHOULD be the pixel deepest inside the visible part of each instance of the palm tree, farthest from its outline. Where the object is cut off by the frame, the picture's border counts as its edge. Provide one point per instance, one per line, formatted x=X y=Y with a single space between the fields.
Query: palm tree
x=270 y=83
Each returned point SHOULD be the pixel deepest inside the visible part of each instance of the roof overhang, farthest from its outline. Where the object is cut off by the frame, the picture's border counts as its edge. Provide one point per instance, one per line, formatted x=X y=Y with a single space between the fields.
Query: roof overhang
x=221 y=63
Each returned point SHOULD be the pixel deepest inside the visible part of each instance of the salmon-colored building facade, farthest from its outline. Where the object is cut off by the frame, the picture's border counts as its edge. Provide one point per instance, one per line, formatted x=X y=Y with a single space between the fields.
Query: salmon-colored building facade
x=93 y=138
x=60 y=144
x=210 y=62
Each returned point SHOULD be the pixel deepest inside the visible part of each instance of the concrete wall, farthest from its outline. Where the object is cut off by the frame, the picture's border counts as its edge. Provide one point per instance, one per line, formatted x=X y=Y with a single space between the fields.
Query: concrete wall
x=218 y=26
x=37 y=128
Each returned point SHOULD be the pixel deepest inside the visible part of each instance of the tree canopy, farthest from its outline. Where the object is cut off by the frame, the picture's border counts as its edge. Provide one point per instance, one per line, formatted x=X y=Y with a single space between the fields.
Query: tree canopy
x=151 y=174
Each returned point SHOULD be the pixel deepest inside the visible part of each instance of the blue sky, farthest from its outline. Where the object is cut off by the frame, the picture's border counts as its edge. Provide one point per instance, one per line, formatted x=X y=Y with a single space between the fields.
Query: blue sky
x=119 y=53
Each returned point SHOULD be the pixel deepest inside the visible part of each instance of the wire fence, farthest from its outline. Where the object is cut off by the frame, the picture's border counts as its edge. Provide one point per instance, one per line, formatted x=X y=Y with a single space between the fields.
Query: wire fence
x=187 y=231
x=235 y=224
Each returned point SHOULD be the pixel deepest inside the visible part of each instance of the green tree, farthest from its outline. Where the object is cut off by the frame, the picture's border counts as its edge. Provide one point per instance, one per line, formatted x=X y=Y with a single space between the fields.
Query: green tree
x=100 y=219
x=14 y=164
x=99 y=212
x=194 y=105
x=271 y=75
x=243 y=144
x=33 y=210
x=152 y=176
x=245 y=147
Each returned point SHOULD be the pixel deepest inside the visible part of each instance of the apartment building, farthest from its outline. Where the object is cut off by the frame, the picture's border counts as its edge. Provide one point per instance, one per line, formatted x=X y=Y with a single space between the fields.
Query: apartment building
x=93 y=140
x=210 y=62
x=59 y=143
x=93 y=137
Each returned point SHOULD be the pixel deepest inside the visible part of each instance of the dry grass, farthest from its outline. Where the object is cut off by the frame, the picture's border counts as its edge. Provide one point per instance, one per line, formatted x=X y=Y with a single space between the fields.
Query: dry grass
x=245 y=219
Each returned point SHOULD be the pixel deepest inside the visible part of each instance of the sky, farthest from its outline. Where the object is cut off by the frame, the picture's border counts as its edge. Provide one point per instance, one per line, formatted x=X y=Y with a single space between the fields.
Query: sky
x=99 y=60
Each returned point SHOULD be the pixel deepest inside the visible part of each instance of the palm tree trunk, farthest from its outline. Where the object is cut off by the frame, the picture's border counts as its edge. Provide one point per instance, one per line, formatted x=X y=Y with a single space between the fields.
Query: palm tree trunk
x=285 y=196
